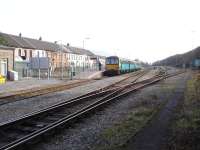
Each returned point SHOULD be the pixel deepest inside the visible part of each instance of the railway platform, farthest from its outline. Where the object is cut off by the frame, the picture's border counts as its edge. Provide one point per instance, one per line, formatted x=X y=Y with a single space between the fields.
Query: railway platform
x=31 y=83
x=89 y=75
x=12 y=87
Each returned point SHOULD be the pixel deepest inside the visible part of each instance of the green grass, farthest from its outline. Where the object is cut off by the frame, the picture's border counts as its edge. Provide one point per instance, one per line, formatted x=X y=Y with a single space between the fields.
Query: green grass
x=186 y=127
x=121 y=132
x=115 y=137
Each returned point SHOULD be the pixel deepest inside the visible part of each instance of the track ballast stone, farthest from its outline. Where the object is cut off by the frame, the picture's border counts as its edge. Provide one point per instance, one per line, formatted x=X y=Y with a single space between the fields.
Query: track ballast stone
x=86 y=134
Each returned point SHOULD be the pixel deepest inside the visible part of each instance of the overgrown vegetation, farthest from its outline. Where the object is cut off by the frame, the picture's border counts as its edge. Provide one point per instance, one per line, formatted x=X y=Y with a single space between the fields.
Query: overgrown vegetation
x=186 y=128
x=116 y=137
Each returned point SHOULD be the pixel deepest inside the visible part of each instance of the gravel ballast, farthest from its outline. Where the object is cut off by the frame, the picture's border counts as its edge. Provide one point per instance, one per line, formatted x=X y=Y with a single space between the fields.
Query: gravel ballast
x=22 y=107
x=87 y=133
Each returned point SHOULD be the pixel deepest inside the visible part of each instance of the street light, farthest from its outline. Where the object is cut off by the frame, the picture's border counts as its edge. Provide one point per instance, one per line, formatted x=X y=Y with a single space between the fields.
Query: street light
x=87 y=38
x=61 y=54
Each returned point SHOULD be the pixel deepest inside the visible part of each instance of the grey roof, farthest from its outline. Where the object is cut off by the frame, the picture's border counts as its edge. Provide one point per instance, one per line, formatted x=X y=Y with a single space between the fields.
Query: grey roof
x=6 y=47
x=99 y=56
x=9 y=40
x=79 y=51
x=24 y=42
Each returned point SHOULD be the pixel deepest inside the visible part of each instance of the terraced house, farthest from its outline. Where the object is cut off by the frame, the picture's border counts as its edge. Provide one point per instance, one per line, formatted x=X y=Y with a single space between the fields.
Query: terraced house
x=80 y=58
x=27 y=52
x=6 y=60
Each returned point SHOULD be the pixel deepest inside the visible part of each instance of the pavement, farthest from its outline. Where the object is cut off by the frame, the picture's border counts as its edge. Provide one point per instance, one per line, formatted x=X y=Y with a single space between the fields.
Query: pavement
x=27 y=83
x=30 y=83
x=89 y=75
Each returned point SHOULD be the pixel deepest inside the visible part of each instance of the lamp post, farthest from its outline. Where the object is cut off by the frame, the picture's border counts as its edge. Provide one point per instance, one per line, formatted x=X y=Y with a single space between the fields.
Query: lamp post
x=87 y=38
x=61 y=54
x=38 y=55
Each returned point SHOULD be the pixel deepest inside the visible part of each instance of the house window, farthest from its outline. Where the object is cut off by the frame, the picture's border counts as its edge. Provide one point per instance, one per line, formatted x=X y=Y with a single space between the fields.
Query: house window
x=19 y=52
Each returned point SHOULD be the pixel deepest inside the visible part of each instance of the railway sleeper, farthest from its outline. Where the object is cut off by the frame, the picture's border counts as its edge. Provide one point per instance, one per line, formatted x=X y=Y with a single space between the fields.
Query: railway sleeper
x=53 y=118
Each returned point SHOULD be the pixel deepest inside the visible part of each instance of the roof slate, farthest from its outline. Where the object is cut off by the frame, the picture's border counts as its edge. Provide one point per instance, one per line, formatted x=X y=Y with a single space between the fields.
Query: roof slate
x=6 y=47
x=79 y=51
x=24 y=42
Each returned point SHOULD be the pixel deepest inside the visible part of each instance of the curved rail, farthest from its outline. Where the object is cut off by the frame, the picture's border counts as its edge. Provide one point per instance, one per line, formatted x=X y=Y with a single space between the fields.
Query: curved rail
x=112 y=95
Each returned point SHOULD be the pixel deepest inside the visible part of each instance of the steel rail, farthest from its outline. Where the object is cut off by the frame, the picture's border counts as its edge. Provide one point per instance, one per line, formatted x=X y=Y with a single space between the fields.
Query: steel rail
x=94 y=105
x=25 y=94
x=43 y=89
x=92 y=94
x=82 y=111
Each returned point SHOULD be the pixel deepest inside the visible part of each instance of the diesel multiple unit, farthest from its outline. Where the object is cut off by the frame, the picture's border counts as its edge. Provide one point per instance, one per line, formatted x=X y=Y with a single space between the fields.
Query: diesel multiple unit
x=116 y=65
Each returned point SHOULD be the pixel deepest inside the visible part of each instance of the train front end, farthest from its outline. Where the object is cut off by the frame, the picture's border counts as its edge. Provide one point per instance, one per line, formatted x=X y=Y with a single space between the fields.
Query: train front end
x=112 y=66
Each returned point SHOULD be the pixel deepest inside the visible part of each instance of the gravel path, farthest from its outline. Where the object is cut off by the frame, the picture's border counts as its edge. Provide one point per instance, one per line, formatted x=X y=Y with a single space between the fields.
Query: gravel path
x=154 y=136
x=87 y=134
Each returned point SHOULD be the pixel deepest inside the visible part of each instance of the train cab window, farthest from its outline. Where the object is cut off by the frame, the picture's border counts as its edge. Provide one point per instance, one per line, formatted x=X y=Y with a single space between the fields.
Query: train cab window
x=112 y=61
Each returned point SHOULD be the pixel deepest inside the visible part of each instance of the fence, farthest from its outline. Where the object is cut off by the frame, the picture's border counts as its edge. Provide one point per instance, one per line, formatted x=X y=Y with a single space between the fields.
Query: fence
x=21 y=68
x=69 y=72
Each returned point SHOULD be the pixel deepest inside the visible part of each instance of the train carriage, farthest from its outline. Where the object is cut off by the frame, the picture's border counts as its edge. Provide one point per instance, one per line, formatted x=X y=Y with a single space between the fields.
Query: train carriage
x=116 y=65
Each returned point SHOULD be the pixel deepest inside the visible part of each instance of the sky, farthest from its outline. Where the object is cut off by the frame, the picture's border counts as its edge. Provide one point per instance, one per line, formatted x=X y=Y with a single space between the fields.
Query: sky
x=148 y=30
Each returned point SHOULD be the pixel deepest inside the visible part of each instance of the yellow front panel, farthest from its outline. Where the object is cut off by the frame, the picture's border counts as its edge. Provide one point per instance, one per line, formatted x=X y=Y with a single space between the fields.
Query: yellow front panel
x=112 y=67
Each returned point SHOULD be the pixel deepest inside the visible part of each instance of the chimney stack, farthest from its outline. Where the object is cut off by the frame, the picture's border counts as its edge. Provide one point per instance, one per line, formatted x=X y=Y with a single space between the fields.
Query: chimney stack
x=20 y=34
x=40 y=38
x=67 y=44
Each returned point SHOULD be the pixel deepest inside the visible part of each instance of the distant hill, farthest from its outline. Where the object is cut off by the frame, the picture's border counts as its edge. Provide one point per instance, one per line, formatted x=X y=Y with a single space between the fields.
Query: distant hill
x=180 y=59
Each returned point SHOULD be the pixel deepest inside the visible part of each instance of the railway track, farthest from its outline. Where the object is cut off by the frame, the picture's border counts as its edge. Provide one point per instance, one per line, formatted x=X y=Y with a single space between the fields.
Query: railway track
x=22 y=130
x=25 y=94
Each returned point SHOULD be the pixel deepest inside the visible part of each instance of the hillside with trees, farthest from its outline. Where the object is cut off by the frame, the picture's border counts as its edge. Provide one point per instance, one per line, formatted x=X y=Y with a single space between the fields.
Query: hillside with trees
x=180 y=60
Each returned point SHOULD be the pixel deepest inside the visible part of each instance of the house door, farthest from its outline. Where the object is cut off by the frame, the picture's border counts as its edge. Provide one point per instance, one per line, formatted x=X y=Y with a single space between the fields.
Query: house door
x=3 y=67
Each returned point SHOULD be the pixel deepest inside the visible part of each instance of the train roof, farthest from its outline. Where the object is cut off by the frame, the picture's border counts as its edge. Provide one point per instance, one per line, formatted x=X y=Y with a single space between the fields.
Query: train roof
x=123 y=59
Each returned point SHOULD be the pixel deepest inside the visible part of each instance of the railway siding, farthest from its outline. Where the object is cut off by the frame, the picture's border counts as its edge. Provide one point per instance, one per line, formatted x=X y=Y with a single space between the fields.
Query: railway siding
x=108 y=98
x=19 y=108
x=87 y=135
x=101 y=101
